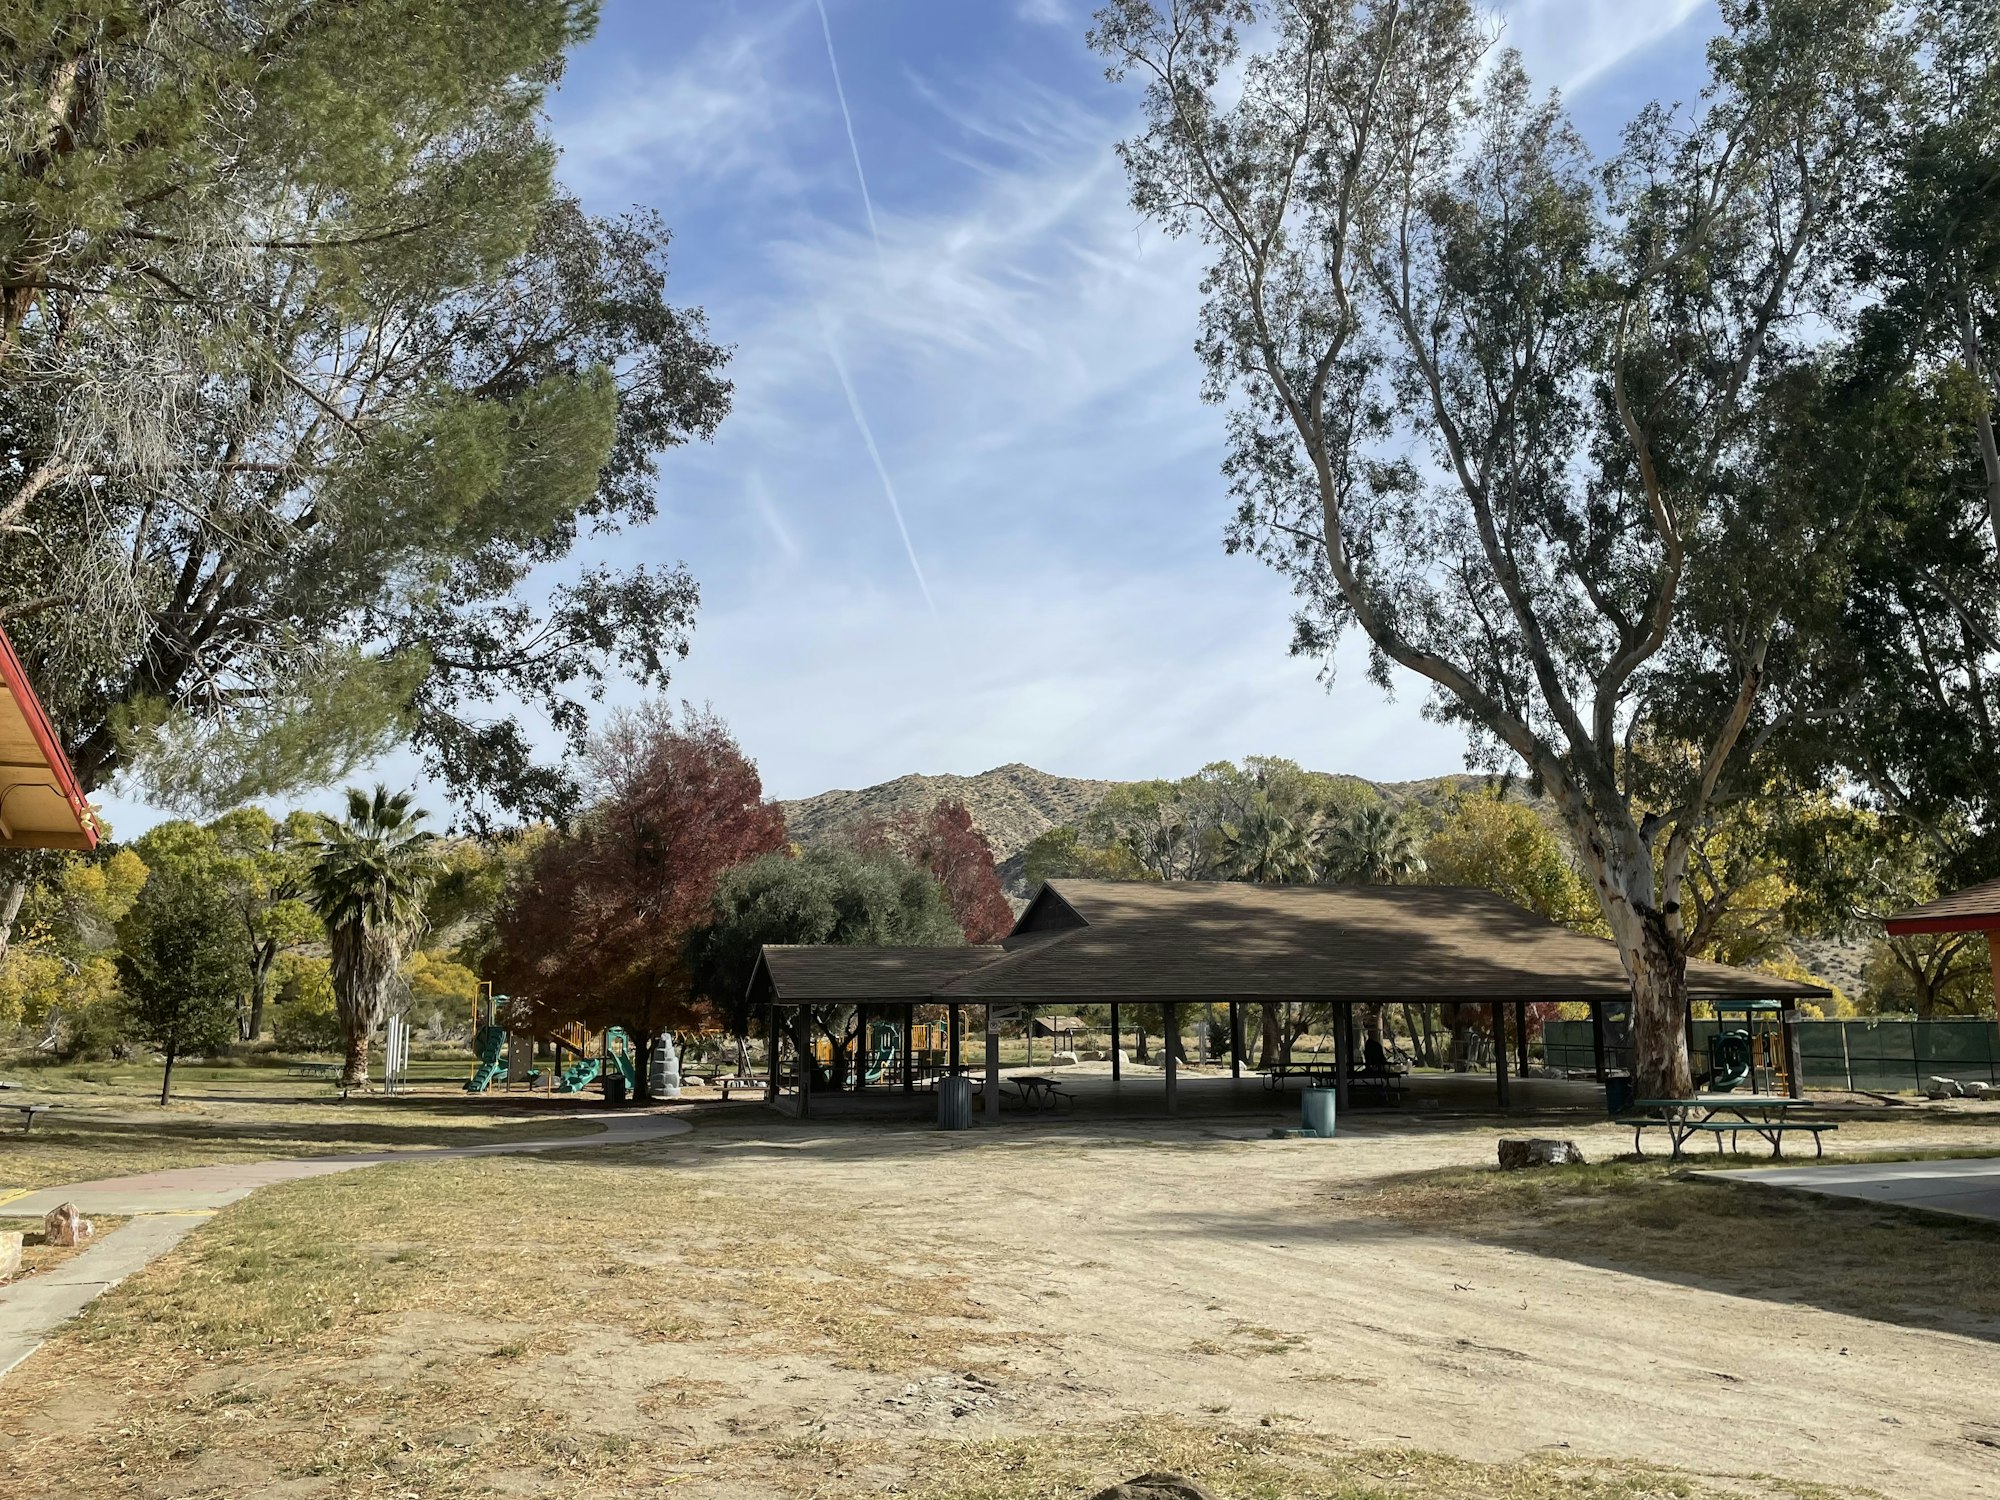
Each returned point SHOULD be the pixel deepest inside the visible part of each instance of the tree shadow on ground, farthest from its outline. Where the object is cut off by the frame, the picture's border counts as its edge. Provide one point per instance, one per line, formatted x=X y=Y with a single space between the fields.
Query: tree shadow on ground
x=1659 y=1222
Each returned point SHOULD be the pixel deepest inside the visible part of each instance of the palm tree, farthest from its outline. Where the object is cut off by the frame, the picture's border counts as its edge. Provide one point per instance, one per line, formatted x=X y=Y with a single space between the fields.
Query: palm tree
x=1372 y=845
x=370 y=875
x=1265 y=846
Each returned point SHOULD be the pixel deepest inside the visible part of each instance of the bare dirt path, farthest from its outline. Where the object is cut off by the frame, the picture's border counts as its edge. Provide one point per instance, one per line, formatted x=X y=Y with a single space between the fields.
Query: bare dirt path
x=1196 y=1272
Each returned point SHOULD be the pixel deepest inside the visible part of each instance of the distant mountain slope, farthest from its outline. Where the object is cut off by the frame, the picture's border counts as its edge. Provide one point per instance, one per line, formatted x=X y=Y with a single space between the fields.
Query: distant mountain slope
x=1011 y=805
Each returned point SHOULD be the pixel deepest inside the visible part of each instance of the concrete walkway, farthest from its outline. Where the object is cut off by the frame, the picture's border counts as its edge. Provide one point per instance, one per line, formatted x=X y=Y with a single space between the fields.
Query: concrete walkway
x=167 y=1206
x=1969 y=1188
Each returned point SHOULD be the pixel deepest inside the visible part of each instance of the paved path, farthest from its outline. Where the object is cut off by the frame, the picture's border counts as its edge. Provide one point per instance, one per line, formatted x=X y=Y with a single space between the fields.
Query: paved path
x=167 y=1206
x=1970 y=1188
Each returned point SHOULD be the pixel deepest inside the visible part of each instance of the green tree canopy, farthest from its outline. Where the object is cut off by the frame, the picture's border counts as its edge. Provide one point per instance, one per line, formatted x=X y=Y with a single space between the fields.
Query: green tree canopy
x=832 y=894
x=180 y=962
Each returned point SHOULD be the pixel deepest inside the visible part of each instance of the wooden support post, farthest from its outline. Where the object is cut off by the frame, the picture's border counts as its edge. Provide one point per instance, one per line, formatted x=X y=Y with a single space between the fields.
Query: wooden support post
x=1172 y=1015
x=807 y=1064
x=909 y=1049
x=955 y=1034
x=1500 y=1053
x=992 y=1066
x=1343 y=1057
x=1235 y=1040
x=861 y=1048
x=1795 y=1060
x=773 y=1040
x=1521 y=1037
x=1597 y=1038
x=1117 y=1060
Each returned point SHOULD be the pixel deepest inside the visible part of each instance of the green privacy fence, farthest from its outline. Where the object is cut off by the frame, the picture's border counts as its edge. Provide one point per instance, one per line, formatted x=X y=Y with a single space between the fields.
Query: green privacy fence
x=1887 y=1056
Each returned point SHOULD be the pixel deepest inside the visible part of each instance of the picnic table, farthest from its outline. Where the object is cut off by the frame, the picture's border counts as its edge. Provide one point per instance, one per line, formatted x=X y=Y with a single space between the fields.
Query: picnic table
x=1767 y=1116
x=1037 y=1091
x=28 y=1113
x=327 y=1072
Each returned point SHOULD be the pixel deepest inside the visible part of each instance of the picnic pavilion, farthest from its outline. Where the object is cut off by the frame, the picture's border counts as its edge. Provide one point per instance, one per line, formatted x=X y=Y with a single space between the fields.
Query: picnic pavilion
x=1198 y=943
x=1974 y=909
x=41 y=805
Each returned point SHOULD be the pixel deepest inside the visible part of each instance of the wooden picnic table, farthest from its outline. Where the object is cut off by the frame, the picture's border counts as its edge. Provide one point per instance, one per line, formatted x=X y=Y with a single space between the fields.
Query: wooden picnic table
x=1037 y=1091
x=1767 y=1116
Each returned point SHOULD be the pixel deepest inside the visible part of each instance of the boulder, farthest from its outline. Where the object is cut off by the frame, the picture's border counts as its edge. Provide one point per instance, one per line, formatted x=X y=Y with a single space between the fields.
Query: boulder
x=10 y=1253
x=1159 y=1486
x=1539 y=1151
x=1063 y=1060
x=1943 y=1088
x=66 y=1225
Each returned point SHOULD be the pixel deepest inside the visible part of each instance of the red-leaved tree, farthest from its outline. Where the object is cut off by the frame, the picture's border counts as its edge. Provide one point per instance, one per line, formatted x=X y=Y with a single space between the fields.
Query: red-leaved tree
x=596 y=929
x=945 y=842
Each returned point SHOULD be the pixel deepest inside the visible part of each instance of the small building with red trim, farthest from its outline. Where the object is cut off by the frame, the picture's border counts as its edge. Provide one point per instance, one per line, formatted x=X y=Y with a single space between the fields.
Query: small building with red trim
x=41 y=805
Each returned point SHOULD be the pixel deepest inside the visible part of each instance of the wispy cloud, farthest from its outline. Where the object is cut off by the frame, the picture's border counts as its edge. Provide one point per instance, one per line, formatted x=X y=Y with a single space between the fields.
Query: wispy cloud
x=875 y=457
x=1569 y=44
x=1044 y=12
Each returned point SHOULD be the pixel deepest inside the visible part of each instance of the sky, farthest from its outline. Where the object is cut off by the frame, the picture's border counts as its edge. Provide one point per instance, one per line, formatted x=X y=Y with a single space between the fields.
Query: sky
x=967 y=508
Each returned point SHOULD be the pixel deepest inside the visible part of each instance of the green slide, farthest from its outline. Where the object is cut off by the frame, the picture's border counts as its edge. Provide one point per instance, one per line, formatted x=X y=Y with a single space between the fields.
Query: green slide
x=885 y=1038
x=490 y=1047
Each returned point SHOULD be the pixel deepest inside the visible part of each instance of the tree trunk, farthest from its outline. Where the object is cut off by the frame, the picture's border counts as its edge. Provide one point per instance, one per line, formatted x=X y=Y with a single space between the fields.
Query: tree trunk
x=251 y=1025
x=1267 y=1036
x=1139 y=1053
x=10 y=908
x=354 y=1071
x=167 y=1079
x=1660 y=1068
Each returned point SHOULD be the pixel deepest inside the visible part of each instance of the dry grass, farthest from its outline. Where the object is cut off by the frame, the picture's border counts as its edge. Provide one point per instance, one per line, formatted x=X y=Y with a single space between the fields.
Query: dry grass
x=38 y=1255
x=466 y=1329
x=1655 y=1219
x=106 y=1134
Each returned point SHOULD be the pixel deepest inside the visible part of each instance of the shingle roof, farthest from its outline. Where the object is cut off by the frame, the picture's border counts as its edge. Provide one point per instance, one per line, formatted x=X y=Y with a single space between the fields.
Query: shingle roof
x=1974 y=909
x=806 y=973
x=1199 y=940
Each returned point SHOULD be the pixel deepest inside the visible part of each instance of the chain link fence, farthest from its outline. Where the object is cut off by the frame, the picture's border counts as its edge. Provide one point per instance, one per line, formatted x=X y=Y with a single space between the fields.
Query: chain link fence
x=1885 y=1055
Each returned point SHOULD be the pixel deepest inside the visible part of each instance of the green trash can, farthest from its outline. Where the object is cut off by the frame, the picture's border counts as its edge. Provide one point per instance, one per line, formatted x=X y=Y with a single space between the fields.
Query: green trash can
x=1316 y=1112
x=954 y=1102
x=614 y=1089
x=1618 y=1094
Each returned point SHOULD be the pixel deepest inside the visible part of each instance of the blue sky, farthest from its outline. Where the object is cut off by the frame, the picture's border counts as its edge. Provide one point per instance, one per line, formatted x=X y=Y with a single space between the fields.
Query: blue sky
x=989 y=336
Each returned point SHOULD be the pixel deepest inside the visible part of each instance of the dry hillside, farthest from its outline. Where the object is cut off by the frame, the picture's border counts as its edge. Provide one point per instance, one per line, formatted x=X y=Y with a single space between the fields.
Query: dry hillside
x=1011 y=805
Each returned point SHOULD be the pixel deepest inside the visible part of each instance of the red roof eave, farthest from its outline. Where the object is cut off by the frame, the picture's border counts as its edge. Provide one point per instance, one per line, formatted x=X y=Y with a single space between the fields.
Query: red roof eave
x=39 y=725
x=1974 y=922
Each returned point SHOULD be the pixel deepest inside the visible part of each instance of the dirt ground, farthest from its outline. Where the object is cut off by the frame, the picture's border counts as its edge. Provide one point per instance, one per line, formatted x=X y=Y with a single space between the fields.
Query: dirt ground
x=771 y=1307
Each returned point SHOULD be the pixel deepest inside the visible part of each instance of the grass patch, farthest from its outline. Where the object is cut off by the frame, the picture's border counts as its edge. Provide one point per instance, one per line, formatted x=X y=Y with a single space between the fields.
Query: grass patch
x=100 y=1135
x=1652 y=1218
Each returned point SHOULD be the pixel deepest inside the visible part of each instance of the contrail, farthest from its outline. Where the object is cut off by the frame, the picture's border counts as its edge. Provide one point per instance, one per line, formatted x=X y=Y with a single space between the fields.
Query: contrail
x=881 y=469
x=867 y=203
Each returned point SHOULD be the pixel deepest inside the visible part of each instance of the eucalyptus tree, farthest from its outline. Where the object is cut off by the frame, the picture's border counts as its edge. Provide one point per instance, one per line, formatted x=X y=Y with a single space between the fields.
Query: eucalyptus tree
x=370 y=874
x=1502 y=407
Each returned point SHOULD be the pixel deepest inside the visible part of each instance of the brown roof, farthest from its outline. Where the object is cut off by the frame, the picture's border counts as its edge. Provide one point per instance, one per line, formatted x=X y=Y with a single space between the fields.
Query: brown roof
x=793 y=974
x=1974 y=909
x=1202 y=940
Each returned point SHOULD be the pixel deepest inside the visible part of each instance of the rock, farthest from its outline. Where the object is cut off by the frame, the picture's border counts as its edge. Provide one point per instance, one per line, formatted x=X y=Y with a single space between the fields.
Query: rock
x=1539 y=1152
x=1977 y=1090
x=10 y=1253
x=65 y=1225
x=1159 y=1486
x=1943 y=1088
x=1063 y=1060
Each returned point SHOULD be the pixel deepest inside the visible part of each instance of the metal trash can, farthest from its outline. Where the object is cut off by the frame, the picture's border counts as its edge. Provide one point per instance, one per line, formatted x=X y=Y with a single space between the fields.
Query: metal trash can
x=955 y=1103
x=1618 y=1094
x=1316 y=1112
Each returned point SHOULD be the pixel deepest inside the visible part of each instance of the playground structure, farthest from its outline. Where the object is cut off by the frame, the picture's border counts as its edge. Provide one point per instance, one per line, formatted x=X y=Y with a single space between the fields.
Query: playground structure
x=1751 y=1054
x=883 y=1057
x=580 y=1057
